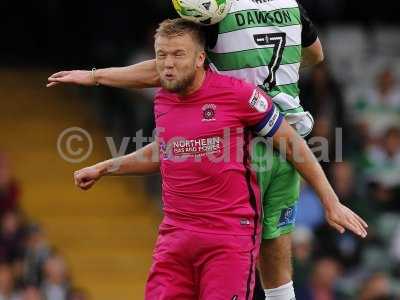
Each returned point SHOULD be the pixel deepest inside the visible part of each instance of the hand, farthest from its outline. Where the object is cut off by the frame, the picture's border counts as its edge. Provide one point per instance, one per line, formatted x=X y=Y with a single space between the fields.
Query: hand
x=87 y=177
x=341 y=218
x=74 y=77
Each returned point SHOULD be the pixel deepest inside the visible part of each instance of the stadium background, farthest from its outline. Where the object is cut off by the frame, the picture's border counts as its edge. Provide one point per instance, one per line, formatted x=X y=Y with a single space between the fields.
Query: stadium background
x=69 y=244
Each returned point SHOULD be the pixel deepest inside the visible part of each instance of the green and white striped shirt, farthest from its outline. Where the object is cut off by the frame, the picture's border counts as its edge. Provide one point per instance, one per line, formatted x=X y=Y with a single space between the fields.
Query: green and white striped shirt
x=260 y=41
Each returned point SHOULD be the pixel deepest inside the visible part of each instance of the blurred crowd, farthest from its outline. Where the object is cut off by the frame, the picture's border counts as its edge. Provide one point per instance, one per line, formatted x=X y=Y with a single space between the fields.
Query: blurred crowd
x=30 y=269
x=366 y=176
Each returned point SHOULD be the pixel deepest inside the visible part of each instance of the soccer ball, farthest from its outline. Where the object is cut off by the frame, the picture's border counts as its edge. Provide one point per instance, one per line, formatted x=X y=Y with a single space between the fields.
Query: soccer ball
x=204 y=12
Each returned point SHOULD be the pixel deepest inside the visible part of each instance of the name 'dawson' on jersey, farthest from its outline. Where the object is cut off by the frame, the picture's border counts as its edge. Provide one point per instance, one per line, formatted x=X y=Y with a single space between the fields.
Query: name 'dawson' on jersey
x=252 y=17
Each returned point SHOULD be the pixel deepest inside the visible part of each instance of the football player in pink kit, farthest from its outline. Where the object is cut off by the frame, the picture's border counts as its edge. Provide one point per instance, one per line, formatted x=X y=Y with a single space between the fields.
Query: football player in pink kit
x=209 y=239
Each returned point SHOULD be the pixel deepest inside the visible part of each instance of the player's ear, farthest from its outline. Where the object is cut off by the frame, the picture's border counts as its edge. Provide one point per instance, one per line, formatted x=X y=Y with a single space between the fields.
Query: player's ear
x=201 y=57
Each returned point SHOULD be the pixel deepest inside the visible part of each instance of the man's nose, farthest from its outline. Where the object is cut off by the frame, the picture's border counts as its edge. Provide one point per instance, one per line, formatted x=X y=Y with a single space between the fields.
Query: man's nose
x=169 y=62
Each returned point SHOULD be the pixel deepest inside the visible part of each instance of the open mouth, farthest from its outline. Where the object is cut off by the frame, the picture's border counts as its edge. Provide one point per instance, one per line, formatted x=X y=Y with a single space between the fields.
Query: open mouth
x=169 y=76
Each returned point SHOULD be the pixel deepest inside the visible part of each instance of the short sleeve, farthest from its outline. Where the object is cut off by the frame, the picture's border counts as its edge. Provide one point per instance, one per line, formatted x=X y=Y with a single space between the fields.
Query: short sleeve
x=309 y=32
x=258 y=112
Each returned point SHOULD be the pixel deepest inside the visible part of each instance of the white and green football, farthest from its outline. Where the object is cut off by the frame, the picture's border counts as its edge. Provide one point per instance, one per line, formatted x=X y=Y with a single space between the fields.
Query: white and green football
x=204 y=12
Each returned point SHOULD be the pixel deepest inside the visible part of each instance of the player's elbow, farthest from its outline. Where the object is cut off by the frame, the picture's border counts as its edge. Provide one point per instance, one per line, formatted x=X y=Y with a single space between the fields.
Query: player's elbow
x=295 y=149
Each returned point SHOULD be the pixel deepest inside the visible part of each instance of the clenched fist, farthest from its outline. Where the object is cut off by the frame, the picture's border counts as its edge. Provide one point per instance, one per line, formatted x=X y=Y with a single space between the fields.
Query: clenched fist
x=86 y=177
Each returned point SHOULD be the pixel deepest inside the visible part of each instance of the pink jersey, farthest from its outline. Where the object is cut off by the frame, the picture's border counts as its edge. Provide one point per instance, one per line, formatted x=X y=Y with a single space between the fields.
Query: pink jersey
x=207 y=183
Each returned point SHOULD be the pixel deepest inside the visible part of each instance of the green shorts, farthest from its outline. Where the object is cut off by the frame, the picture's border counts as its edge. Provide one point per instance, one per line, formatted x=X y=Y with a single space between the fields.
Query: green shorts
x=280 y=188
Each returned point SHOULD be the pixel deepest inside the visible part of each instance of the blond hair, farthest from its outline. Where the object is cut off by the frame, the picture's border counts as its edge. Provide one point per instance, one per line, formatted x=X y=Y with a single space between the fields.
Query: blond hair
x=179 y=27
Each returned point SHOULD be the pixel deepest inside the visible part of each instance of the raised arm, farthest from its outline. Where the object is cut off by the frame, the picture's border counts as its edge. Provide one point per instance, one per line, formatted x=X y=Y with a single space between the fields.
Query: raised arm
x=312 y=55
x=299 y=154
x=312 y=52
x=140 y=75
x=141 y=162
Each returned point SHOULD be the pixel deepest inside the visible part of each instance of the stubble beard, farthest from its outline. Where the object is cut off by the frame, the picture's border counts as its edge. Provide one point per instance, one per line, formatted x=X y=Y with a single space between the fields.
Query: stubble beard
x=178 y=86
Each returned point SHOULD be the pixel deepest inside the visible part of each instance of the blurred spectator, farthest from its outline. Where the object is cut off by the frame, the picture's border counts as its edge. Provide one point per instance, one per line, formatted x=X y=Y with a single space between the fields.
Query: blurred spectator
x=9 y=191
x=11 y=236
x=78 y=294
x=349 y=188
x=322 y=96
x=384 y=159
x=323 y=141
x=36 y=252
x=7 y=283
x=55 y=284
x=379 y=107
x=310 y=212
x=325 y=273
x=346 y=248
x=383 y=197
x=375 y=288
x=302 y=261
x=342 y=177
x=18 y=271
x=31 y=292
x=25 y=256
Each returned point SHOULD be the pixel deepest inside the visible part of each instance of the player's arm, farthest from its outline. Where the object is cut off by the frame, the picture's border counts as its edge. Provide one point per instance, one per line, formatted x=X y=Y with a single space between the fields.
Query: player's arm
x=299 y=154
x=140 y=75
x=312 y=52
x=312 y=55
x=137 y=76
x=141 y=162
x=258 y=112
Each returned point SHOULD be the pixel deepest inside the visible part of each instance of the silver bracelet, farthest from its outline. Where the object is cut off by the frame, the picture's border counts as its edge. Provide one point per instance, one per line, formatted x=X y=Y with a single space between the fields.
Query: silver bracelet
x=94 y=76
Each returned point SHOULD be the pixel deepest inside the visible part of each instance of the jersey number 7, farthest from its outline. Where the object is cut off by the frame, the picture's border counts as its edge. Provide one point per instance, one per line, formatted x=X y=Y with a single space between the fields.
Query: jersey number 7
x=278 y=40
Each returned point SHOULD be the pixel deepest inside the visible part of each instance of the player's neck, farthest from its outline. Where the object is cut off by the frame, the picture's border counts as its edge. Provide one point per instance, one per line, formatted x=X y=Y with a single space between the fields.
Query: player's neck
x=197 y=83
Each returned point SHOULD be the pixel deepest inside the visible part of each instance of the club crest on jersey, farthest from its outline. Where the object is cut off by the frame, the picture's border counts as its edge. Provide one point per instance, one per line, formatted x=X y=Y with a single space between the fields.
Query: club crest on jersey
x=209 y=111
x=163 y=150
x=258 y=101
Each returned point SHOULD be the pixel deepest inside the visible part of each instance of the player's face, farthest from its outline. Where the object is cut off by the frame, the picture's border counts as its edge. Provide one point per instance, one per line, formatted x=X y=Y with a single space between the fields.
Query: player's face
x=178 y=58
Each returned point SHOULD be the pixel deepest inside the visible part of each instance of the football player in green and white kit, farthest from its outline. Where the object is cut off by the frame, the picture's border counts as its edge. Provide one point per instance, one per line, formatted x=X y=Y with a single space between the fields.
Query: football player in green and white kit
x=265 y=42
